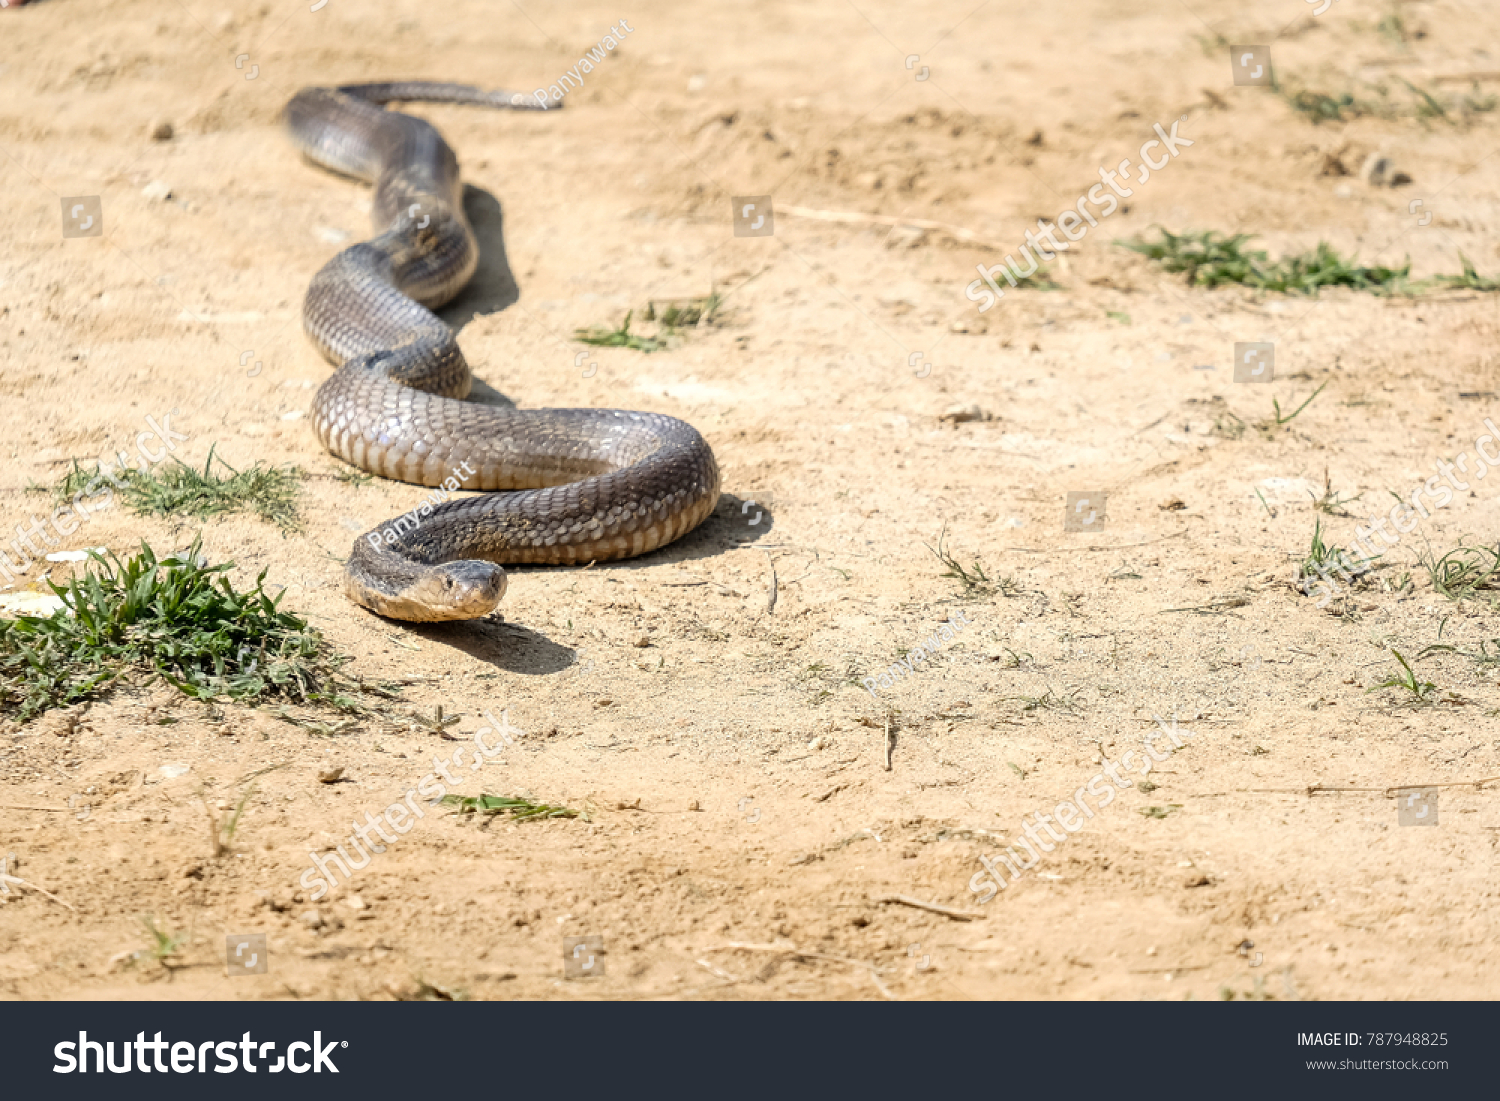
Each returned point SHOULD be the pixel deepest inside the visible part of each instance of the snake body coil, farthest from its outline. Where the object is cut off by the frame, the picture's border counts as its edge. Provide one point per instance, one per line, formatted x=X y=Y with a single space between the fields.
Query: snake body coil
x=597 y=484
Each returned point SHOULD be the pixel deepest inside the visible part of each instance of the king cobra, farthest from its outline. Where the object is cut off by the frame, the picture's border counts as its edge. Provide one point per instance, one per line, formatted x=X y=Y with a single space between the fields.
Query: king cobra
x=595 y=484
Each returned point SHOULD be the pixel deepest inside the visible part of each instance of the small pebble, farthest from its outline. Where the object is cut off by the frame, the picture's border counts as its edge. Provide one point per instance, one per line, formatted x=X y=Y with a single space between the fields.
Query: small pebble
x=157 y=191
x=160 y=130
x=312 y=919
x=822 y=741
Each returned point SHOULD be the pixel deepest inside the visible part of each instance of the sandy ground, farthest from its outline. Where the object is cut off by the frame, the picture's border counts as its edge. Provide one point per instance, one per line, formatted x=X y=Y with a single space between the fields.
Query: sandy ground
x=734 y=767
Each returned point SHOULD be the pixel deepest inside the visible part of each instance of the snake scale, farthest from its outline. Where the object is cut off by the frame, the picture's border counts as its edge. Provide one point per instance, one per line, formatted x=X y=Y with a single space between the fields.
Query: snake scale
x=593 y=484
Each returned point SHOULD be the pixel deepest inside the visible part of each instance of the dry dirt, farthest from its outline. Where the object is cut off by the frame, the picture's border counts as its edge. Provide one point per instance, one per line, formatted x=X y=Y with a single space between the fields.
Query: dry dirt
x=733 y=767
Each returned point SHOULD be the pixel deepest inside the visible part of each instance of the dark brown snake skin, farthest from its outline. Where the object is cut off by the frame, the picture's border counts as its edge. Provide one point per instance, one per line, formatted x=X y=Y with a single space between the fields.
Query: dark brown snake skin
x=598 y=484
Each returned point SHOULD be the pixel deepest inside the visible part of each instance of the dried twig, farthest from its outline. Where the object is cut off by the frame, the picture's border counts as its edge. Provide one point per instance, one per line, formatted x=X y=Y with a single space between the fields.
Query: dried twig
x=1229 y=602
x=771 y=597
x=257 y=772
x=890 y=743
x=931 y=907
x=1315 y=789
x=34 y=887
x=24 y=806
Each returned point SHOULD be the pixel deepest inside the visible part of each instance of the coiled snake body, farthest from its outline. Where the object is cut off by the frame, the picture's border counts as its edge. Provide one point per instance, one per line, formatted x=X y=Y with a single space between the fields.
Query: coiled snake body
x=598 y=484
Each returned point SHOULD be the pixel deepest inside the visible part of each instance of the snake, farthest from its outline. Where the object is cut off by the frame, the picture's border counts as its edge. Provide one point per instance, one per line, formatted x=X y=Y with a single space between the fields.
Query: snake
x=565 y=486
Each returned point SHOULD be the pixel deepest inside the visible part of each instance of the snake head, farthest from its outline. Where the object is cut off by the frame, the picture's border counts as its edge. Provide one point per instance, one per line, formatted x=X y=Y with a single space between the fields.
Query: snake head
x=466 y=589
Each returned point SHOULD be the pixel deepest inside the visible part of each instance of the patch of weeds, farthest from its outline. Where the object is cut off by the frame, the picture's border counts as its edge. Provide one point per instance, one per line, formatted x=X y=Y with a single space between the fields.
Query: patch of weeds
x=1013 y=660
x=1463 y=571
x=1469 y=280
x=1319 y=107
x=973 y=579
x=1159 y=812
x=1210 y=259
x=1421 y=692
x=853 y=674
x=820 y=675
x=619 y=338
x=436 y=725
x=353 y=477
x=177 y=619
x=1116 y=315
x=1484 y=656
x=179 y=490
x=1322 y=557
x=682 y=312
x=1332 y=502
x=1049 y=701
x=676 y=314
x=519 y=809
x=161 y=945
x=1145 y=787
x=1017 y=769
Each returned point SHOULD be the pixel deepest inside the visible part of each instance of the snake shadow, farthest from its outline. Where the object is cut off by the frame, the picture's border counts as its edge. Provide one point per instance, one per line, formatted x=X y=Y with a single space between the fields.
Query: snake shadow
x=515 y=648
x=492 y=288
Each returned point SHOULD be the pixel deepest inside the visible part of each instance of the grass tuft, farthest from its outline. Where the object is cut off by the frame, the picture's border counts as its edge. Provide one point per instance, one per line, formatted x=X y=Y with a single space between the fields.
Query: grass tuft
x=1332 y=502
x=1463 y=571
x=1324 y=557
x=162 y=945
x=1421 y=691
x=677 y=314
x=1210 y=259
x=177 y=619
x=972 y=578
x=181 y=490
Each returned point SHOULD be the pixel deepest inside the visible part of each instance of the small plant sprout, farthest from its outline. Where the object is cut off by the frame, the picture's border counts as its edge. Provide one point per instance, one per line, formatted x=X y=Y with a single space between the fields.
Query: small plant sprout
x=973 y=579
